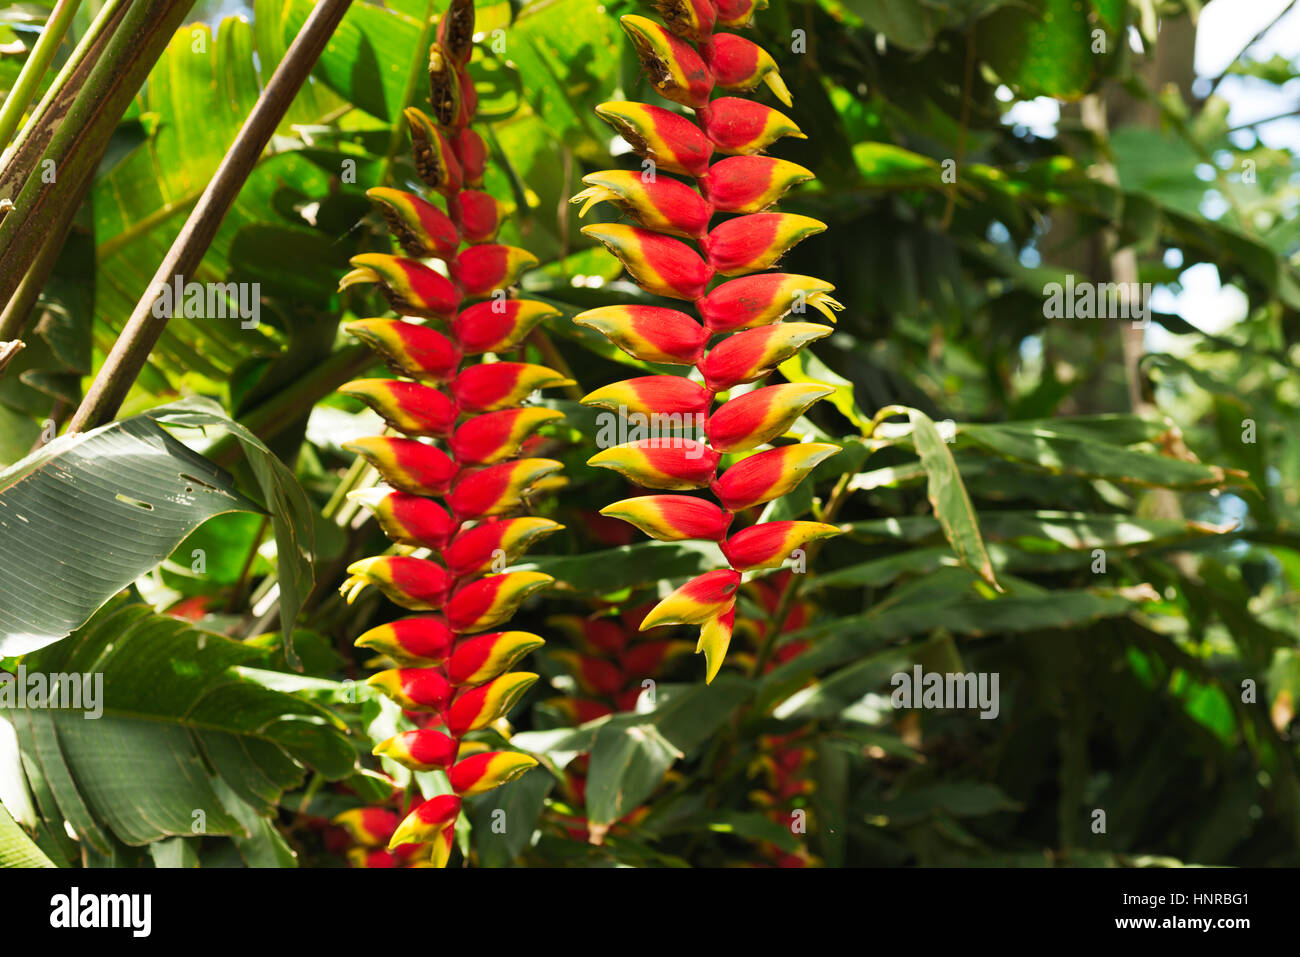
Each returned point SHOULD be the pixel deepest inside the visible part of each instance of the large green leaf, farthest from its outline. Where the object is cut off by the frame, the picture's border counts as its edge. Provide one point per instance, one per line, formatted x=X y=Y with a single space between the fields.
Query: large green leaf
x=292 y=516
x=368 y=58
x=952 y=506
x=176 y=724
x=505 y=819
x=88 y=514
x=1044 y=47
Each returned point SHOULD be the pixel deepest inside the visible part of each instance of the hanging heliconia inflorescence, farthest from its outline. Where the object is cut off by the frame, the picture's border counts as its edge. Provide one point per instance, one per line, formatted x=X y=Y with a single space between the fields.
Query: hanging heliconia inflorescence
x=450 y=666
x=687 y=63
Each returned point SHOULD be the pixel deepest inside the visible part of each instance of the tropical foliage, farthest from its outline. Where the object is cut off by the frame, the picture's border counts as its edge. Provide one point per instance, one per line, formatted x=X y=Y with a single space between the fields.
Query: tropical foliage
x=1100 y=514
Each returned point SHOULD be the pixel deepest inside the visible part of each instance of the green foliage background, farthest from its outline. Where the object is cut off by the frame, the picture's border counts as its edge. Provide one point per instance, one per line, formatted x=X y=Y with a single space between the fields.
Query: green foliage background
x=1157 y=685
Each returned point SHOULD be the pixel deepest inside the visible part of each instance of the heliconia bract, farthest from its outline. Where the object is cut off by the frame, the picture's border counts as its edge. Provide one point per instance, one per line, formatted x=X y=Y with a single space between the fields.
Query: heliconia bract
x=462 y=428
x=672 y=249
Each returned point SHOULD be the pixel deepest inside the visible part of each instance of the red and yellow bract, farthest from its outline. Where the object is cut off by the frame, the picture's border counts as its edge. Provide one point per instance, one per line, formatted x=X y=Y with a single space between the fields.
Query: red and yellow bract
x=671 y=249
x=451 y=667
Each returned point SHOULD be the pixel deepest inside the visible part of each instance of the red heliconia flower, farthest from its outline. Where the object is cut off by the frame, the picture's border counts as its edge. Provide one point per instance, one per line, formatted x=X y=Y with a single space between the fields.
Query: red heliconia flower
x=662 y=204
x=475 y=551
x=425 y=640
x=700 y=599
x=411 y=287
x=483 y=657
x=673 y=67
x=495 y=436
x=769 y=544
x=445 y=93
x=741 y=126
x=423 y=230
x=651 y=395
x=481 y=270
x=740 y=65
x=424 y=749
x=407 y=464
x=686 y=62
x=415 y=583
x=408 y=519
x=479 y=707
x=415 y=689
x=406 y=406
x=499 y=325
x=497 y=488
x=749 y=184
x=765 y=476
x=756 y=417
x=667 y=463
x=673 y=518
x=483 y=772
x=753 y=354
x=477 y=215
x=764 y=299
x=433 y=822
x=410 y=349
x=487 y=602
x=663 y=266
x=446 y=671
x=651 y=333
x=471 y=153
x=671 y=141
x=435 y=160
x=756 y=241
x=501 y=385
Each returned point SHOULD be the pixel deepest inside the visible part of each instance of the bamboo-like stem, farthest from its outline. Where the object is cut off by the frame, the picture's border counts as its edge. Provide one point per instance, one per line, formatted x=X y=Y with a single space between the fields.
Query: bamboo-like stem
x=70 y=80
x=20 y=305
x=54 y=159
x=143 y=329
x=38 y=63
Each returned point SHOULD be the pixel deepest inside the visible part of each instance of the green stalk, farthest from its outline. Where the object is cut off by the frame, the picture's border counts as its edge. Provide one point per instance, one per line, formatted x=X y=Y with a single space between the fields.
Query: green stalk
x=38 y=62
x=18 y=156
x=78 y=123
